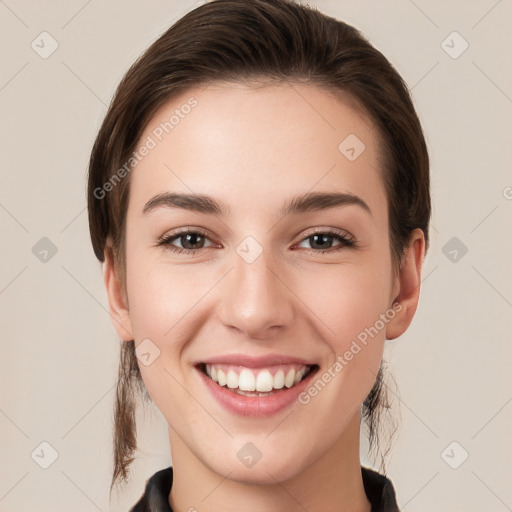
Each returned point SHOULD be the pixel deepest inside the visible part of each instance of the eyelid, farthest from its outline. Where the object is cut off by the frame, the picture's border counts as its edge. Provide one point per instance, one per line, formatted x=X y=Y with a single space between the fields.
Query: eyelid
x=318 y=230
x=185 y=230
x=327 y=230
x=346 y=239
x=166 y=239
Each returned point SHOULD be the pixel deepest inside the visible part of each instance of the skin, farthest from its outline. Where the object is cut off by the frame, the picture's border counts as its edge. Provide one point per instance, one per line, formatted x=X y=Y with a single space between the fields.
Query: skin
x=254 y=147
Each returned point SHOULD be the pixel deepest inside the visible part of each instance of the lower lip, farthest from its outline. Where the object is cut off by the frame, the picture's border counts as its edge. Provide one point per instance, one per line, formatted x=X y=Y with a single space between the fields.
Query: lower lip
x=255 y=406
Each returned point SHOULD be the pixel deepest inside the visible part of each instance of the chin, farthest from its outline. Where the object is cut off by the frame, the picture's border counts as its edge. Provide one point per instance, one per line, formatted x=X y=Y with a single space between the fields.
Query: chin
x=262 y=472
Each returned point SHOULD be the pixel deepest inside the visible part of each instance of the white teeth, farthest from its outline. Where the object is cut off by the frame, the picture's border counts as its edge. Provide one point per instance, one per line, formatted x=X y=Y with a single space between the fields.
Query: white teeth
x=298 y=376
x=262 y=384
x=232 y=380
x=279 y=380
x=221 y=378
x=245 y=393
x=264 y=381
x=289 y=379
x=246 y=381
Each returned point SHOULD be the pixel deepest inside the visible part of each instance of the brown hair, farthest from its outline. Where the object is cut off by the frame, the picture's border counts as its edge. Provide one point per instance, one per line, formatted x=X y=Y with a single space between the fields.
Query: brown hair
x=240 y=40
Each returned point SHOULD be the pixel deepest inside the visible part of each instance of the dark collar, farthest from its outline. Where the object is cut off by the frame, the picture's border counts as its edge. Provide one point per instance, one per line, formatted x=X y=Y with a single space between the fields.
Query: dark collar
x=378 y=488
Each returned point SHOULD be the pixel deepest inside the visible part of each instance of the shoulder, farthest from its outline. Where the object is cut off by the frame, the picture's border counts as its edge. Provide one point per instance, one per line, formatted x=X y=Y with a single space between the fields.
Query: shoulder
x=380 y=491
x=156 y=493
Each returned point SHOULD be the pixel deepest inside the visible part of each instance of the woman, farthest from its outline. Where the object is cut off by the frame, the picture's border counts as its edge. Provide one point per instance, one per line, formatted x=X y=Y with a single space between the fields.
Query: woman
x=259 y=195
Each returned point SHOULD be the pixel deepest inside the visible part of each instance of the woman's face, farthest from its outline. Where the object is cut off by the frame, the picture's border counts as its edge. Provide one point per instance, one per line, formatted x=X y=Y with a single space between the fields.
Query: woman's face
x=258 y=284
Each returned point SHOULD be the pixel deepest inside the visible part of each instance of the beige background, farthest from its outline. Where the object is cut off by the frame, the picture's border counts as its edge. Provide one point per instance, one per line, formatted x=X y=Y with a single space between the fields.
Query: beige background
x=59 y=351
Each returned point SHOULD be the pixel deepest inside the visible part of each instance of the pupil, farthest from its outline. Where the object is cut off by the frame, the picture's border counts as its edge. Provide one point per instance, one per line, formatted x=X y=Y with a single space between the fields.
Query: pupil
x=189 y=242
x=323 y=237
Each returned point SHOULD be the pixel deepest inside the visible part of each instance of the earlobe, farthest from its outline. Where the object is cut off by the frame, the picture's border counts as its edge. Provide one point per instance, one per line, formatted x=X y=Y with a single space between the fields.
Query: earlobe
x=119 y=313
x=409 y=279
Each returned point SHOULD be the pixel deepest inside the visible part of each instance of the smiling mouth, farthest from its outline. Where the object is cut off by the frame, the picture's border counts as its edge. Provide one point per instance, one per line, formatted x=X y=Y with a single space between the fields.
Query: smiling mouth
x=257 y=382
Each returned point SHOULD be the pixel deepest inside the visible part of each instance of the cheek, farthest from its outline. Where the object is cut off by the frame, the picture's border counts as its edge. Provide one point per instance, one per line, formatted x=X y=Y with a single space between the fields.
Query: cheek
x=160 y=299
x=346 y=298
x=350 y=301
x=160 y=296
x=341 y=299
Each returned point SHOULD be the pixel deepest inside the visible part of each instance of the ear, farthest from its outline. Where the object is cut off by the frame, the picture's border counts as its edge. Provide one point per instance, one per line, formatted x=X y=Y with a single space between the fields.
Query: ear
x=407 y=285
x=118 y=303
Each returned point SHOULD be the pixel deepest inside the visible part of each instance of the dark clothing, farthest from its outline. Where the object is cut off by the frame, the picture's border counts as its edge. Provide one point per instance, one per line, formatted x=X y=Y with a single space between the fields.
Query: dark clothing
x=378 y=488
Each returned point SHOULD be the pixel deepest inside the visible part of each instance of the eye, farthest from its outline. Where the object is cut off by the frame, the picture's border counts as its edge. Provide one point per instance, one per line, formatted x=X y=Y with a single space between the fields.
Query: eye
x=191 y=241
x=320 y=241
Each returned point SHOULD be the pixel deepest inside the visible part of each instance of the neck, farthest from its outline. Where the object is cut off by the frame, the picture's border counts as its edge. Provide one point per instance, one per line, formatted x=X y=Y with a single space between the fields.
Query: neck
x=332 y=482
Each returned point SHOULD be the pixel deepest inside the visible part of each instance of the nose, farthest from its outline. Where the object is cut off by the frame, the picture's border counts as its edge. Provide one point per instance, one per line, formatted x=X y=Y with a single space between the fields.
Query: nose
x=255 y=298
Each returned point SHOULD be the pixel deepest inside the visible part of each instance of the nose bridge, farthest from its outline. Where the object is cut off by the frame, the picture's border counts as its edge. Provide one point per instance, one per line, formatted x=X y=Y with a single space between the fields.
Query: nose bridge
x=254 y=298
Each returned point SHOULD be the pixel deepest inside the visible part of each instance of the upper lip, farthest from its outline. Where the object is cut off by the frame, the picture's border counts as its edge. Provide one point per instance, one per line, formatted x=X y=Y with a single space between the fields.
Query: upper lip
x=255 y=361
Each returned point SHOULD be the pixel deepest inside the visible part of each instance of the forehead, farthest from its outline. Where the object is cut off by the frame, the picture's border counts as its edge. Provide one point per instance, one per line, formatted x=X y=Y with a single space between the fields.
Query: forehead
x=251 y=145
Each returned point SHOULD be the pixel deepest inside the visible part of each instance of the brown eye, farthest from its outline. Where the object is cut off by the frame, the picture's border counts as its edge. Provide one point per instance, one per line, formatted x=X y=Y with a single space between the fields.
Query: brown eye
x=190 y=241
x=322 y=241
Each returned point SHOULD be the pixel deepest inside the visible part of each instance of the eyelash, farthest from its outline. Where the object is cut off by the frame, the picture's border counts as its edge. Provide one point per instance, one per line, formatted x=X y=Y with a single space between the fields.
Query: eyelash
x=345 y=239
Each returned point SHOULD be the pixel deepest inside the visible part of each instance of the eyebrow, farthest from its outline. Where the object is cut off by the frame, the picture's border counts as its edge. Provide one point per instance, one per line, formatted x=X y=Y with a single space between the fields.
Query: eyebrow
x=312 y=201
